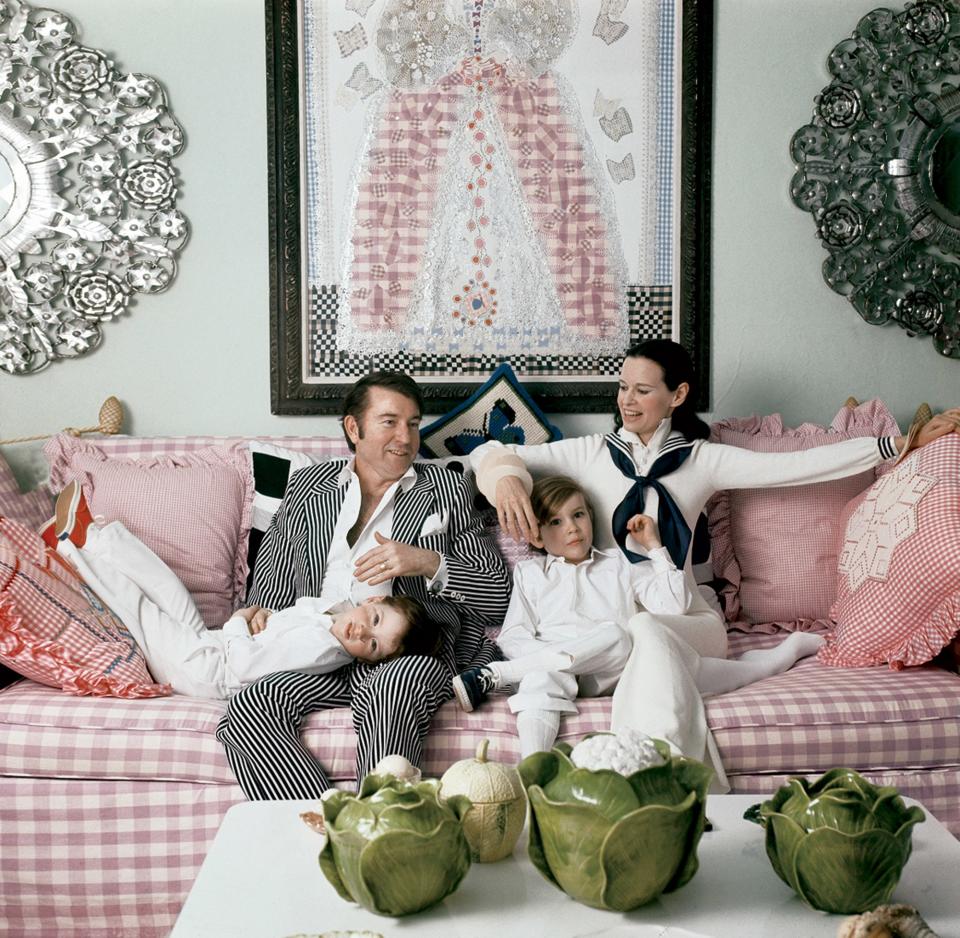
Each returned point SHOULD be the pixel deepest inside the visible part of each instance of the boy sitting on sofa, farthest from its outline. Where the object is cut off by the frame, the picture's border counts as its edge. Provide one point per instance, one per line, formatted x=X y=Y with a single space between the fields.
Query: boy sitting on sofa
x=315 y=635
x=564 y=632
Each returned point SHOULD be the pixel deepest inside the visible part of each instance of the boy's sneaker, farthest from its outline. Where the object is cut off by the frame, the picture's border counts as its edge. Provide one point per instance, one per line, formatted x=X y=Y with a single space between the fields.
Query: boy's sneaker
x=472 y=687
x=71 y=518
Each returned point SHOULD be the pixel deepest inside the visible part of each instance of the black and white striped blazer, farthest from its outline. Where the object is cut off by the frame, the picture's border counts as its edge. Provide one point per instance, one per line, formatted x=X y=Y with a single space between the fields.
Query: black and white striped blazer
x=291 y=559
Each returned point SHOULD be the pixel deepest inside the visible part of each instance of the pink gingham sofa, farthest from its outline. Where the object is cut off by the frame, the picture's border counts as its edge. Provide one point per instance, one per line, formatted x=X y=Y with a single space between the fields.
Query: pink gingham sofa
x=108 y=806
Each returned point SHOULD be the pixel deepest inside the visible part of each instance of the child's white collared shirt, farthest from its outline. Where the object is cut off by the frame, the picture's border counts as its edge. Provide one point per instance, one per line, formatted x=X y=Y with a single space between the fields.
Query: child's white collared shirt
x=295 y=639
x=338 y=578
x=554 y=600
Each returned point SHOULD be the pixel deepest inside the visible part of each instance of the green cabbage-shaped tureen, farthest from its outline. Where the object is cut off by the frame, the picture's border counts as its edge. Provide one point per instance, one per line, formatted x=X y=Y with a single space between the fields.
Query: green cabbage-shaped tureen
x=610 y=840
x=394 y=848
x=840 y=843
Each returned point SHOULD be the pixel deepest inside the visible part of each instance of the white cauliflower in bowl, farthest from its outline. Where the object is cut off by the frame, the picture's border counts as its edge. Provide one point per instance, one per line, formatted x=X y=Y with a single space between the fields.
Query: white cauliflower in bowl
x=625 y=752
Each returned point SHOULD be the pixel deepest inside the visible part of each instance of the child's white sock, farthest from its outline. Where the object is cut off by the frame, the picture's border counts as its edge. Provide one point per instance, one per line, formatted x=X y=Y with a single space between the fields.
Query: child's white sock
x=720 y=675
x=537 y=730
x=513 y=671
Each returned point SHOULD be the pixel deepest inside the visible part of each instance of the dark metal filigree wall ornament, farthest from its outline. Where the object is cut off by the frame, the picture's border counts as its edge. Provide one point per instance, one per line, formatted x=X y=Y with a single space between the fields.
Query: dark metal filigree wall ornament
x=87 y=189
x=878 y=167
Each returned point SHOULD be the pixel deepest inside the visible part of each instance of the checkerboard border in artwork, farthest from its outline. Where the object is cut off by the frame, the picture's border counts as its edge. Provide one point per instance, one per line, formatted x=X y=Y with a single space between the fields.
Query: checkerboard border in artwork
x=649 y=309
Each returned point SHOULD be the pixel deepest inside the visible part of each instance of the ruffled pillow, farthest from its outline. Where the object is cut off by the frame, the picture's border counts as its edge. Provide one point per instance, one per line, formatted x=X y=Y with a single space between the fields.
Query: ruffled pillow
x=776 y=548
x=898 y=575
x=54 y=629
x=192 y=509
x=29 y=508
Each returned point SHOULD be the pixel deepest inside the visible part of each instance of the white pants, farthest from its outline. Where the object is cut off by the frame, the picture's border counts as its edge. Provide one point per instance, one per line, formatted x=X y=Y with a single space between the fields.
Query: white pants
x=155 y=607
x=552 y=674
x=678 y=659
x=658 y=691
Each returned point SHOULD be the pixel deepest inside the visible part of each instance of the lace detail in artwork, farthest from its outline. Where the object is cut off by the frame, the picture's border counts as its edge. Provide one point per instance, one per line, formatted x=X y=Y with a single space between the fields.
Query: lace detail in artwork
x=417 y=42
x=481 y=218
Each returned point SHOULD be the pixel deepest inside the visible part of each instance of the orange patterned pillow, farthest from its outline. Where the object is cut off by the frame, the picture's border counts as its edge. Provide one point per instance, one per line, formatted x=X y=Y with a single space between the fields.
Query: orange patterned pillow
x=54 y=629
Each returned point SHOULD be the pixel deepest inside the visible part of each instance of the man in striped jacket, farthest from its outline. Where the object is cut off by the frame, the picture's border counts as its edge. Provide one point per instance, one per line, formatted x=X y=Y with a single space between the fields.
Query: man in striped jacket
x=371 y=525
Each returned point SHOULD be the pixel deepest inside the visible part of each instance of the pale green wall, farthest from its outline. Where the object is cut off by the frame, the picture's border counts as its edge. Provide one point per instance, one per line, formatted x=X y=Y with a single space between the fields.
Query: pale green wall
x=195 y=360
x=781 y=339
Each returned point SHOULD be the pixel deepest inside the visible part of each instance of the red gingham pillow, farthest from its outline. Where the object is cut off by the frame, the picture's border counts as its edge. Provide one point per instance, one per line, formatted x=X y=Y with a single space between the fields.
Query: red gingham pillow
x=54 y=630
x=898 y=576
x=776 y=548
x=192 y=509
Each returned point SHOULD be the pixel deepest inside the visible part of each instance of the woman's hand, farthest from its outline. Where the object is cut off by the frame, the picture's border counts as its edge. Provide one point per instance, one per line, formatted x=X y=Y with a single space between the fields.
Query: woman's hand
x=515 y=511
x=936 y=427
x=940 y=425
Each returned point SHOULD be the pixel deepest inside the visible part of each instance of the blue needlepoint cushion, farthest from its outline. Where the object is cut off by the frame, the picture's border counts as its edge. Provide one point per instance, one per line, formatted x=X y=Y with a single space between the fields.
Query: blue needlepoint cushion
x=498 y=410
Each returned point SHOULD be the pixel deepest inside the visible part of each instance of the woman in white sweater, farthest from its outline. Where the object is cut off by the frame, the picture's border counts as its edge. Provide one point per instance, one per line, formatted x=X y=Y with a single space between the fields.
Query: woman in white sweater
x=658 y=463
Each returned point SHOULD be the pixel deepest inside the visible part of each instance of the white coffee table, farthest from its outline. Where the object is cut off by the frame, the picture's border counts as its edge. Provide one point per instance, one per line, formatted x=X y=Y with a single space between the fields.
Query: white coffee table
x=261 y=879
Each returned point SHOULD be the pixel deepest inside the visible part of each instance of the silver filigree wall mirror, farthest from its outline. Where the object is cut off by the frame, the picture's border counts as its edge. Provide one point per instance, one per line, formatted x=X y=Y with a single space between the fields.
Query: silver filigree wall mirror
x=88 y=219
x=878 y=167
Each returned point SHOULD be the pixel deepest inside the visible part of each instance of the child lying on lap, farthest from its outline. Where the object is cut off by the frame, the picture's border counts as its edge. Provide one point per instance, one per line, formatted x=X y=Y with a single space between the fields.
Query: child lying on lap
x=315 y=635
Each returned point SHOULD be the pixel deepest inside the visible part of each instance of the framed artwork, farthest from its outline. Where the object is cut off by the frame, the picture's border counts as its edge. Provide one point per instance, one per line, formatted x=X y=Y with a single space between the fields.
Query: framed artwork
x=457 y=184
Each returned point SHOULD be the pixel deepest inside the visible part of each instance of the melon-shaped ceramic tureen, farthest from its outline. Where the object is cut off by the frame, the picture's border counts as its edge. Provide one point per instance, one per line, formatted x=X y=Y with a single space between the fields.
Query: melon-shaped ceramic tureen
x=492 y=826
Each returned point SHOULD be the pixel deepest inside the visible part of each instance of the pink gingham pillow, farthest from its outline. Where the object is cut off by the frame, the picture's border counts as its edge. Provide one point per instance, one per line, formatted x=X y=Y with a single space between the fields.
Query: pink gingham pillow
x=777 y=548
x=898 y=576
x=29 y=508
x=54 y=630
x=192 y=509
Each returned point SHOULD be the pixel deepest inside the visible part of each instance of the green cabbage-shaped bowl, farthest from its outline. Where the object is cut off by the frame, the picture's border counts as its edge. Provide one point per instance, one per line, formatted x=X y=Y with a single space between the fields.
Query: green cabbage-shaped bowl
x=394 y=848
x=840 y=843
x=615 y=841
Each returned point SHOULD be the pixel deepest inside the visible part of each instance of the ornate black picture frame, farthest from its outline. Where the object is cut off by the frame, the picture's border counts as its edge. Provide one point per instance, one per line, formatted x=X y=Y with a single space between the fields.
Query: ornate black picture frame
x=293 y=391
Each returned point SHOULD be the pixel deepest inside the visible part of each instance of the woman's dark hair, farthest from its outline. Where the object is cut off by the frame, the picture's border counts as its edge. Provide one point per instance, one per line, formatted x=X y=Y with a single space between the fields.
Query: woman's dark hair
x=355 y=402
x=423 y=635
x=677 y=367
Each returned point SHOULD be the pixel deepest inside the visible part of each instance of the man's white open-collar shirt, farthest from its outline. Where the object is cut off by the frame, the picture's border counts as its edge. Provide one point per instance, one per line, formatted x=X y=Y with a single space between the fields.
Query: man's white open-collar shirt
x=338 y=578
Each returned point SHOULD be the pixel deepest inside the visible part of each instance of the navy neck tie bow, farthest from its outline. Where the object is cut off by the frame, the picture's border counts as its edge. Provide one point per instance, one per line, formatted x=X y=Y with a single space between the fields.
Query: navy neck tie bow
x=674 y=530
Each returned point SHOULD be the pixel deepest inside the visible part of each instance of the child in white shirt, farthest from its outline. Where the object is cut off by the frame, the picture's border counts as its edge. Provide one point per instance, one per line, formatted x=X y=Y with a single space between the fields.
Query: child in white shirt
x=315 y=635
x=564 y=630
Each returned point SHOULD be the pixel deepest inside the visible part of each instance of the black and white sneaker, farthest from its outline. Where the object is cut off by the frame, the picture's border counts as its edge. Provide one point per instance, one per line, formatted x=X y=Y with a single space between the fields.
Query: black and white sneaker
x=473 y=685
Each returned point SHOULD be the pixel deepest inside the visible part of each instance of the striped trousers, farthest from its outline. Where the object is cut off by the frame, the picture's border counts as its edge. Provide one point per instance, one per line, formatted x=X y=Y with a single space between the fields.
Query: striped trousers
x=393 y=704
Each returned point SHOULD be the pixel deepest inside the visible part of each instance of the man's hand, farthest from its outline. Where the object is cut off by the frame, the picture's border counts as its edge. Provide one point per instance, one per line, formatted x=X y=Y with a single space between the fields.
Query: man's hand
x=394 y=558
x=644 y=531
x=255 y=617
x=515 y=511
